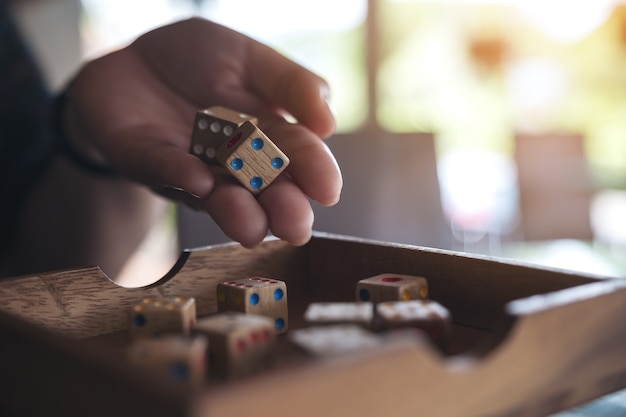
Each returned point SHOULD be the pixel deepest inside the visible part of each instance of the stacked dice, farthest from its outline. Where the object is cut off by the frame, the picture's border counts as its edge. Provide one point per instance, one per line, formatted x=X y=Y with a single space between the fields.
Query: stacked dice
x=241 y=344
x=233 y=140
x=401 y=301
x=251 y=312
x=157 y=316
x=384 y=303
x=176 y=358
x=255 y=295
x=160 y=329
x=238 y=341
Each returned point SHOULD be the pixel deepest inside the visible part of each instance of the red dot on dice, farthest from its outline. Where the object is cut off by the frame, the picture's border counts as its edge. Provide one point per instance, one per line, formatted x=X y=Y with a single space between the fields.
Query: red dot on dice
x=234 y=140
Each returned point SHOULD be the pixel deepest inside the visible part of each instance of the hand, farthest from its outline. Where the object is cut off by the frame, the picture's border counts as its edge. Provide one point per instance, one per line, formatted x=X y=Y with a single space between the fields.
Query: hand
x=134 y=110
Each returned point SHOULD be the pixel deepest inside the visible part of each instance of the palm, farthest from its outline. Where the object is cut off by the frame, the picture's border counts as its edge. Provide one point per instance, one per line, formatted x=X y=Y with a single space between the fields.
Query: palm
x=141 y=113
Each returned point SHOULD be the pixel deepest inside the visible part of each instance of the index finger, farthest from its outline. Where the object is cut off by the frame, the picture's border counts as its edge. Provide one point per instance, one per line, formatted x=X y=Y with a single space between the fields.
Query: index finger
x=284 y=83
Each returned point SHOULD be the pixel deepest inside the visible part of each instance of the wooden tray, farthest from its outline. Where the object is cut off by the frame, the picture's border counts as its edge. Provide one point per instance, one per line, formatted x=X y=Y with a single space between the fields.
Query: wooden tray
x=526 y=341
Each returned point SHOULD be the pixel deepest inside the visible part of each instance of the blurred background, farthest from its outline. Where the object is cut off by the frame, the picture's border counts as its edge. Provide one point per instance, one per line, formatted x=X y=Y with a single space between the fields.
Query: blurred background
x=492 y=127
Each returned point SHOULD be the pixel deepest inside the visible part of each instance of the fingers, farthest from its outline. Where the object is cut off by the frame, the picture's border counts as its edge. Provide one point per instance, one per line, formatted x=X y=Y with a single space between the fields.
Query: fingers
x=312 y=166
x=156 y=162
x=281 y=209
x=283 y=83
x=236 y=211
x=288 y=211
x=286 y=84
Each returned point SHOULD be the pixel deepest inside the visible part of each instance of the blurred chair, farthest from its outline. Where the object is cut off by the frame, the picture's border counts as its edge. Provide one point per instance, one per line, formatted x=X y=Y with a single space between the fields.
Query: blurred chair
x=555 y=187
x=391 y=193
x=391 y=190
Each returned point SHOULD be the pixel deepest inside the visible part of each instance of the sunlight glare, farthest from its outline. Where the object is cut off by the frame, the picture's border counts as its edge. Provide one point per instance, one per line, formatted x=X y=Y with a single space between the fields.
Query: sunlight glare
x=565 y=20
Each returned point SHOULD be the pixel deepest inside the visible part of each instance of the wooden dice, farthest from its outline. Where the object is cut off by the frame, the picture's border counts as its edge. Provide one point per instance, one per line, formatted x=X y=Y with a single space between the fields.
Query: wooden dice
x=256 y=295
x=333 y=340
x=233 y=140
x=251 y=157
x=156 y=316
x=356 y=313
x=176 y=358
x=240 y=344
x=212 y=127
x=426 y=315
x=391 y=287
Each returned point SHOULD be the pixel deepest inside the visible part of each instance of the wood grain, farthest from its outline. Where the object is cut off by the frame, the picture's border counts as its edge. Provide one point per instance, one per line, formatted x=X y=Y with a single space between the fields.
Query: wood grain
x=553 y=358
x=85 y=303
x=555 y=339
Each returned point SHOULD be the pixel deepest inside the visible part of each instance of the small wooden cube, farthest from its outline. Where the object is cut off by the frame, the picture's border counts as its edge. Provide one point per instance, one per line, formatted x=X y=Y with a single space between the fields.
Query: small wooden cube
x=357 y=313
x=212 y=127
x=392 y=287
x=255 y=295
x=251 y=157
x=426 y=315
x=176 y=358
x=334 y=340
x=156 y=316
x=240 y=344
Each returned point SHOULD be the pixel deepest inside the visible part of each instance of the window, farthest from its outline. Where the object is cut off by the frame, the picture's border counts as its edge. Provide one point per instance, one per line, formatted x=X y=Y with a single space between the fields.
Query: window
x=473 y=72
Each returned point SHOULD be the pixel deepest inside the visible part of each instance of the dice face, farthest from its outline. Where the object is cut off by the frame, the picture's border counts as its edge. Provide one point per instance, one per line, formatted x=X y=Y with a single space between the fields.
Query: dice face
x=360 y=313
x=256 y=295
x=156 y=316
x=212 y=127
x=252 y=158
x=426 y=315
x=333 y=340
x=240 y=343
x=392 y=287
x=178 y=359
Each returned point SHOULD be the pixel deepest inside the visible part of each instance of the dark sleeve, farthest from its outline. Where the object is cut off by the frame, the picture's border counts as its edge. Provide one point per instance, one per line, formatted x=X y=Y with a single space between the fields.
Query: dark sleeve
x=26 y=133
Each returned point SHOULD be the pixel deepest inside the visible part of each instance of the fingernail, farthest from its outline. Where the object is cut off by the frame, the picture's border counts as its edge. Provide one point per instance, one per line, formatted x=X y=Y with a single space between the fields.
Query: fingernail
x=182 y=190
x=325 y=92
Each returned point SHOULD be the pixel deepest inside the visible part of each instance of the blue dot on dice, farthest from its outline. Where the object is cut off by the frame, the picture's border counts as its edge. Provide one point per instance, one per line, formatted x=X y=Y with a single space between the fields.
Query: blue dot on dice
x=364 y=295
x=256 y=183
x=236 y=164
x=139 y=320
x=257 y=144
x=279 y=323
x=277 y=163
x=278 y=294
x=254 y=299
x=179 y=371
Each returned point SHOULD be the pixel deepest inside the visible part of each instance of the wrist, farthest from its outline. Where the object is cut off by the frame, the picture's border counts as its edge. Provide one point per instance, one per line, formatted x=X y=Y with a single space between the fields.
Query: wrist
x=67 y=134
